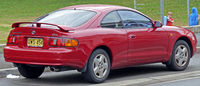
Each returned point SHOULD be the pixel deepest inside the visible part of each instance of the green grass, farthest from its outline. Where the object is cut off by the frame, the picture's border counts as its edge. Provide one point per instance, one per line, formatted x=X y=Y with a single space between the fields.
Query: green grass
x=3 y=34
x=27 y=10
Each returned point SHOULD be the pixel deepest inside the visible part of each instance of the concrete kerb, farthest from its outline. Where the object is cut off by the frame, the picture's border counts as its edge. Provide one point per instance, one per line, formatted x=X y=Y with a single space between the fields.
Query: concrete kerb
x=1 y=47
x=195 y=29
x=14 y=71
x=5 y=72
x=198 y=50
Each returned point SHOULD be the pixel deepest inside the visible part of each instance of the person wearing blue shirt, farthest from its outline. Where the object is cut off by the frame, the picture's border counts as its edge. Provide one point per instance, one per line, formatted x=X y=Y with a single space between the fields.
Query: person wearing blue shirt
x=194 y=20
x=165 y=21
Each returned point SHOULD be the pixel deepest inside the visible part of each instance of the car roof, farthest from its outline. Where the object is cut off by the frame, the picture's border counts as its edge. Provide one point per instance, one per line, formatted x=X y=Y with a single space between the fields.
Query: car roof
x=96 y=7
x=99 y=8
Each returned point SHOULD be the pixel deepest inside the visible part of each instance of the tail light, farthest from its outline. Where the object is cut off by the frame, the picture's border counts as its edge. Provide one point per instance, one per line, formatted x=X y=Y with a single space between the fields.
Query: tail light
x=63 y=42
x=12 y=39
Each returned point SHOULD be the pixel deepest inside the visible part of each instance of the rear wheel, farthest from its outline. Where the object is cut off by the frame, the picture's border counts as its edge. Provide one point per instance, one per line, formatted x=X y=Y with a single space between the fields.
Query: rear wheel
x=30 y=72
x=98 y=67
x=180 y=56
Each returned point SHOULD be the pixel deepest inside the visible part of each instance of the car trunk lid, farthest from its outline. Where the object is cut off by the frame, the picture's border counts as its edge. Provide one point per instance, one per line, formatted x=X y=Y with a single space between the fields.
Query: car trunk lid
x=37 y=35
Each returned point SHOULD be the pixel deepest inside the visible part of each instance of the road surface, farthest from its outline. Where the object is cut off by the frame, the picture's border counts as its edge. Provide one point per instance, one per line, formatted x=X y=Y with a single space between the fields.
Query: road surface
x=150 y=75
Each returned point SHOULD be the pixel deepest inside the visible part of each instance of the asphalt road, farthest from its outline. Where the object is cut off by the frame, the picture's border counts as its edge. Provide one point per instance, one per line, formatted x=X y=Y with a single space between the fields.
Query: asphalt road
x=183 y=82
x=138 y=74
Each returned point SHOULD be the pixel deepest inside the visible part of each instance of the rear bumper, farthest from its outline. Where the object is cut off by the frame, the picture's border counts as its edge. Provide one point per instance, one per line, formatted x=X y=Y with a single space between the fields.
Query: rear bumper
x=49 y=57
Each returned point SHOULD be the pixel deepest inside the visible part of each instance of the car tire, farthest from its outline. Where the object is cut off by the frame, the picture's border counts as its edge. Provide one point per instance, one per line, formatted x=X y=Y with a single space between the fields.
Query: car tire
x=180 y=56
x=98 y=67
x=30 y=72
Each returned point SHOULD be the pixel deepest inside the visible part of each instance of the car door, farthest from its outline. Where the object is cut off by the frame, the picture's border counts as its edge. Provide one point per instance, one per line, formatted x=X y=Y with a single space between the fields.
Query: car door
x=146 y=44
x=118 y=41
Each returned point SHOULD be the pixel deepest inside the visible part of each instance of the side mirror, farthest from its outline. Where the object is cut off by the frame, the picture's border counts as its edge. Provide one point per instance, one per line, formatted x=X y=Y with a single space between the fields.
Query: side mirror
x=157 y=24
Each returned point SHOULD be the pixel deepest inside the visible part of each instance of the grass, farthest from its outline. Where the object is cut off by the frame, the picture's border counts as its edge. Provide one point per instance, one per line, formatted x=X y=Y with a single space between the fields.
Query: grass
x=27 y=10
x=3 y=34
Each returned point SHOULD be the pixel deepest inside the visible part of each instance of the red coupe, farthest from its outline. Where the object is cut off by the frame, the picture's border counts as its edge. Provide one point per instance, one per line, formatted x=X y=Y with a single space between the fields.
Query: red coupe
x=94 y=39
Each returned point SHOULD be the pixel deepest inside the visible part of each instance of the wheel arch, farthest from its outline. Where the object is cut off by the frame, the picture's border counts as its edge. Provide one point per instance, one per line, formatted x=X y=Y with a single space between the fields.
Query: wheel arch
x=107 y=49
x=170 y=62
x=186 y=39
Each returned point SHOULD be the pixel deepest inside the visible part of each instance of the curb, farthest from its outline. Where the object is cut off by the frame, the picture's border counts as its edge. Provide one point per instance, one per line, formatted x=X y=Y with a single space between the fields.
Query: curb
x=195 y=29
x=5 y=72
x=1 y=47
x=14 y=71
x=198 y=50
x=2 y=44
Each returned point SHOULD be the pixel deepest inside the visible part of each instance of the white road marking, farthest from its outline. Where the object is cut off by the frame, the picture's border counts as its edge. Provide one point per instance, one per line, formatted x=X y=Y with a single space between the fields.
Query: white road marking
x=175 y=80
x=142 y=80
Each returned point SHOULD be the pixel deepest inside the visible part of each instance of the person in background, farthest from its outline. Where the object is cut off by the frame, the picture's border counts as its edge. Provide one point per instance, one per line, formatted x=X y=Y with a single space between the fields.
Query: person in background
x=165 y=21
x=194 y=20
x=170 y=20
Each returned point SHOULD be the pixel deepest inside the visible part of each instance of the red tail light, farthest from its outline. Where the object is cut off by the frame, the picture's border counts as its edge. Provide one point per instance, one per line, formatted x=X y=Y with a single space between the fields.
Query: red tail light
x=59 y=42
x=52 y=42
x=12 y=40
x=63 y=42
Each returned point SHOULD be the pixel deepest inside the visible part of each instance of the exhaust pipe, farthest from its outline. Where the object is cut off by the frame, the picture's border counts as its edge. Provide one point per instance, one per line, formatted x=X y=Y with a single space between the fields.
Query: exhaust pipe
x=60 y=68
x=55 y=69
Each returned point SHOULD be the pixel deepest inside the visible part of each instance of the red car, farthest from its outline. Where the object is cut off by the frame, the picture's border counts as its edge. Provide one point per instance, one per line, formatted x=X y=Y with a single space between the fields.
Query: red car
x=95 y=39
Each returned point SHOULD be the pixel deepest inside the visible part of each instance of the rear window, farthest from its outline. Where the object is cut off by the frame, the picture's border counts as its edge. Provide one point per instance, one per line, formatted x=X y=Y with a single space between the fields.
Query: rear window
x=70 y=18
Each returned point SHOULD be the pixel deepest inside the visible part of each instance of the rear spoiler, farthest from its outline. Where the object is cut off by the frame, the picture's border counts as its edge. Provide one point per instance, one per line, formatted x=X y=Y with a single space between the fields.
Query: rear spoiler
x=64 y=28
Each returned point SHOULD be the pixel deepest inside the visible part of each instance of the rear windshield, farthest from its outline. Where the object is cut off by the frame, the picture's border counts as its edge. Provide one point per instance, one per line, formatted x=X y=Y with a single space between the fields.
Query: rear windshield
x=70 y=18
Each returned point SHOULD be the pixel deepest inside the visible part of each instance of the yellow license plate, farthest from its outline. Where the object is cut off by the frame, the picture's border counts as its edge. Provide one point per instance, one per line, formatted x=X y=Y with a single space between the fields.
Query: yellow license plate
x=35 y=42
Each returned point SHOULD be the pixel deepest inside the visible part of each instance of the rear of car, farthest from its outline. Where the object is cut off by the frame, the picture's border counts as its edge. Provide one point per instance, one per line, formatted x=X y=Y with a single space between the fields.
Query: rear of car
x=48 y=40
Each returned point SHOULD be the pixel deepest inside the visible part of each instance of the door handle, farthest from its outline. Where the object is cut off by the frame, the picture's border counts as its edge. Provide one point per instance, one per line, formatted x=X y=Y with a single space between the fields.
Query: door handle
x=132 y=36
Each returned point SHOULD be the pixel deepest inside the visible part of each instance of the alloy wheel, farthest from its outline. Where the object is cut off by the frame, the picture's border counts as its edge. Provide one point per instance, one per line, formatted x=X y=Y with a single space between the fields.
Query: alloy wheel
x=100 y=66
x=181 y=55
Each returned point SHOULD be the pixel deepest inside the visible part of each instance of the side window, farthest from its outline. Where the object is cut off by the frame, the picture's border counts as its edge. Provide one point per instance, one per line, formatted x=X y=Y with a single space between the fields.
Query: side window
x=111 y=20
x=132 y=19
